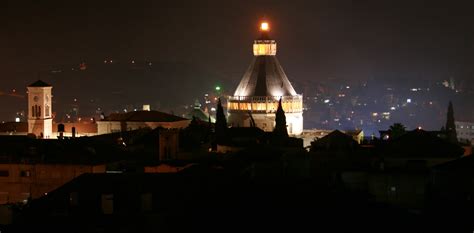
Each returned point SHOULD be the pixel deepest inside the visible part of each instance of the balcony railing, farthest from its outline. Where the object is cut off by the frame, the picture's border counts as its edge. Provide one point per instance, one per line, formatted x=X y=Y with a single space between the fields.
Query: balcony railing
x=264 y=104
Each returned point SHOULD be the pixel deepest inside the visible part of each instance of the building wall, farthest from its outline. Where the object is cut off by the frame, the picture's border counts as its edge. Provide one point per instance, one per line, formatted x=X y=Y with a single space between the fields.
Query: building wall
x=465 y=131
x=165 y=168
x=55 y=135
x=21 y=128
x=82 y=129
x=168 y=144
x=398 y=162
x=228 y=149
x=266 y=121
x=18 y=182
x=40 y=127
x=402 y=189
x=13 y=133
x=105 y=127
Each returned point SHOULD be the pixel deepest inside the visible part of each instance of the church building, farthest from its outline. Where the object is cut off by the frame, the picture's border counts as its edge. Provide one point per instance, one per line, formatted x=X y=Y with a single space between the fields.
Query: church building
x=262 y=86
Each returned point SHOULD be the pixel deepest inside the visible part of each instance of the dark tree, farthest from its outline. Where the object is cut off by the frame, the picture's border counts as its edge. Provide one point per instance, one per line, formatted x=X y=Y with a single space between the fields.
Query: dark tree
x=221 y=122
x=209 y=124
x=193 y=123
x=397 y=130
x=280 y=122
x=450 y=128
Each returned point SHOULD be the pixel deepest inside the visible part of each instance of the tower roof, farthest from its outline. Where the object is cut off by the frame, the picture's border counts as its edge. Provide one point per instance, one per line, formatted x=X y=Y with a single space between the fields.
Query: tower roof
x=39 y=83
x=265 y=77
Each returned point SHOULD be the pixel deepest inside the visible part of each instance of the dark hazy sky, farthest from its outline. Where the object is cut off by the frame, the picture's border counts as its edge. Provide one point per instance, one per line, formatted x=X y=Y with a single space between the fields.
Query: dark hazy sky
x=317 y=39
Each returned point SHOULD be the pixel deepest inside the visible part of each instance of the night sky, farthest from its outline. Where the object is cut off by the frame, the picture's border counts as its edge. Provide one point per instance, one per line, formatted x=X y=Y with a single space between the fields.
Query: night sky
x=318 y=40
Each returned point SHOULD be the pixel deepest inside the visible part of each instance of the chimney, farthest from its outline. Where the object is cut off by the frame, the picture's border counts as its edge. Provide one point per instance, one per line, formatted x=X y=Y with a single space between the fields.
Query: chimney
x=61 y=131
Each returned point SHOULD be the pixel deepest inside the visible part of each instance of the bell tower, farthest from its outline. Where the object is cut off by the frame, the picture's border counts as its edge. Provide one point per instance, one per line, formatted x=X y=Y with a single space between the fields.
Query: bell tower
x=40 y=120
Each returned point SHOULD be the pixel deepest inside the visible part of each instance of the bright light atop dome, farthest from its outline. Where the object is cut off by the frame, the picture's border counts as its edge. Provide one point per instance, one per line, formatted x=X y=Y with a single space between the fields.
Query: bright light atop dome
x=264 y=26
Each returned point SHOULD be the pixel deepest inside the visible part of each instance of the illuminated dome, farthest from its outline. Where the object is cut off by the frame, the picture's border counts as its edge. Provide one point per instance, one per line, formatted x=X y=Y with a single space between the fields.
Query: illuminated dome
x=262 y=86
x=265 y=77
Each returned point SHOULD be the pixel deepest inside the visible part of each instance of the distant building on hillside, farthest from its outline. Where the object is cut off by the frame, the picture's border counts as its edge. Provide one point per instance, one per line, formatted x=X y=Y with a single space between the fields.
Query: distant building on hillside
x=199 y=114
x=465 y=131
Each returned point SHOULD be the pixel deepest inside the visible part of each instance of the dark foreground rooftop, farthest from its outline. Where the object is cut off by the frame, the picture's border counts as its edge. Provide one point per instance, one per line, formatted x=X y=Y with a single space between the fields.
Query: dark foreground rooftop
x=208 y=202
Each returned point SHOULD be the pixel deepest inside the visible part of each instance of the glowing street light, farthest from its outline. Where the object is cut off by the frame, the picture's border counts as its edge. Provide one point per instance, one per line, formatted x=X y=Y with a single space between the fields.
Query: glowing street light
x=264 y=26
x=218 y=88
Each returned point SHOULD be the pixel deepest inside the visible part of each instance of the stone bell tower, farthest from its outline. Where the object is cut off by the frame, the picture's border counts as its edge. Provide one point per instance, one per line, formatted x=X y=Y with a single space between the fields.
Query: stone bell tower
x=40 y=120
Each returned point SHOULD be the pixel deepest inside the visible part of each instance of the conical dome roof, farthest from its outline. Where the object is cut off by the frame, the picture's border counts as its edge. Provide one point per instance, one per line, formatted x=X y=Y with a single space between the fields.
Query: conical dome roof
x=265 y=77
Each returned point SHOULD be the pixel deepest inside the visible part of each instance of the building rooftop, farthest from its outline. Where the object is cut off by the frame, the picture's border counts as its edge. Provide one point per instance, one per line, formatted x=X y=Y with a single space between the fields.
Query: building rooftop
x=144 y=116
x=17 y=127
x=420 y=143
x=336 y=140
x=39 y=83
x=84 y=150
x=22 y=127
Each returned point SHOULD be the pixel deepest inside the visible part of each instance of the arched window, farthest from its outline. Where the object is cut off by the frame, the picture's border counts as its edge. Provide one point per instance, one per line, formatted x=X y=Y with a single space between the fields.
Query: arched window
x=33 y=113
x=47 y=111
x=39 y=111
